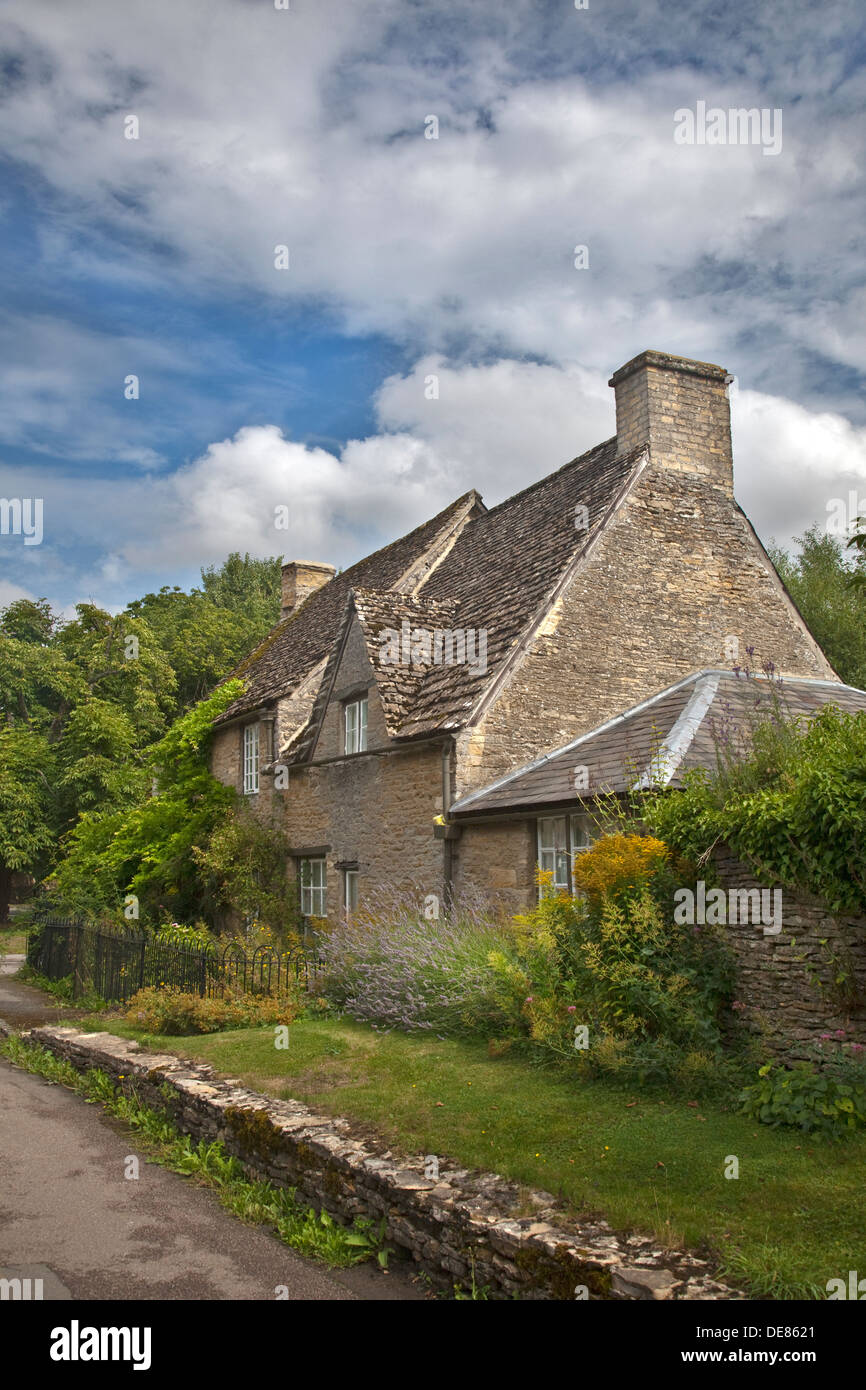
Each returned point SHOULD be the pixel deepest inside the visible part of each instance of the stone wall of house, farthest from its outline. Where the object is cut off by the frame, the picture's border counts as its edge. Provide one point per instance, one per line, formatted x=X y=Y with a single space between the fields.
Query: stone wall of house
x=787 y=981
x=226 y=755
x=457 y=1225
x=497 y=859
x=372 y=810
x=675 y=575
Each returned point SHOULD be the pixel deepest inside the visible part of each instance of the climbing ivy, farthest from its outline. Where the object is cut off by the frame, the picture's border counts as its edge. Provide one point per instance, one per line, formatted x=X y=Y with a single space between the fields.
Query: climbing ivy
x=795 y=808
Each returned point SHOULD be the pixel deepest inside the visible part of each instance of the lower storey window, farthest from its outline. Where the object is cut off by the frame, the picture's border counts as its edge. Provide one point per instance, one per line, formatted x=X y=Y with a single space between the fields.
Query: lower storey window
x=560 y=838
x=311 y=873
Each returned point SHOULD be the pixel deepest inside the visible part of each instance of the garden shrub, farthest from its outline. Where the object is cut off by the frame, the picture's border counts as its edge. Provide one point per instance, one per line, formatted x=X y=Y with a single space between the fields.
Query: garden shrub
x=176 y=1013
x=191 y=938
x=788 y=796
x=619 y=863
x=806 y=1097
x=392 y=966
x=650 y=992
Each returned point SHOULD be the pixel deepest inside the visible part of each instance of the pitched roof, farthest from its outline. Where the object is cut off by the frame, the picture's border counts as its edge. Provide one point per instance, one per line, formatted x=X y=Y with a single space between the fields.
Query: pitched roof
x=493 y=582
x=657 y=741
x=294 y=648
x=396 y=680
x=504 y=570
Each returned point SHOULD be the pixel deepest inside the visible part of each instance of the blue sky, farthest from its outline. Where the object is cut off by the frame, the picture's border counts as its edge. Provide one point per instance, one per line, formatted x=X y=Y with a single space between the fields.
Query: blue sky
x=305 y=387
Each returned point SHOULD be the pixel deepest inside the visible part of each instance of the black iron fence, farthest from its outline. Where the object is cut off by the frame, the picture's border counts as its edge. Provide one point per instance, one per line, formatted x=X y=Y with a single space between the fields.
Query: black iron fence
x=114 y=962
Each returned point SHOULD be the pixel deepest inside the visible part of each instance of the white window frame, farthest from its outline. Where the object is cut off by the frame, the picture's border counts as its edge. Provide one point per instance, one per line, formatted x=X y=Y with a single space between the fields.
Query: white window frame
x=251 y=759
x=313 y=891
x=350 y=892
x=559 y=840
x=355 y=726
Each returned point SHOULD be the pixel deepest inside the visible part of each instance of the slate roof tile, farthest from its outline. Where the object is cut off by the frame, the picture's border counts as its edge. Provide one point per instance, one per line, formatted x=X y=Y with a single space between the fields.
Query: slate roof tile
x=297 y=644
x=658 y=741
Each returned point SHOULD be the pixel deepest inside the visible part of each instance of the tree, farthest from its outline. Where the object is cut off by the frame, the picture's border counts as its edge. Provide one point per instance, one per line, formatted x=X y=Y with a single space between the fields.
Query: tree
x=91 y=701
x=201 y=642
x=120 y=659
x=247 y=586
x=29 y=620
x=26 y=828
x=207 y=632
x=97 y=761
x=858 y=543
x=830 y=592
x=147 y=849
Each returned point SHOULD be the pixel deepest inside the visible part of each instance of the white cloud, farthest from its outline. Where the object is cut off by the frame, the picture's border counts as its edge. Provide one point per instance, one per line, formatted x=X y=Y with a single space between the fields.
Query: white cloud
x=259 y=127
x=307 y=128
x=10 y=592
x=792 y=466
x=497 y=427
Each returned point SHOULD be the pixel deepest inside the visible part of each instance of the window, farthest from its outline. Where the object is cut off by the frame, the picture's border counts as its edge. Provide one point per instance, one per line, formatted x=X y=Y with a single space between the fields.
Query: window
x=312 y=876
x=356 y=726
x=350 y=892
x=560 y=838
x=581 y=839
x=251 y=758
x=553 y=851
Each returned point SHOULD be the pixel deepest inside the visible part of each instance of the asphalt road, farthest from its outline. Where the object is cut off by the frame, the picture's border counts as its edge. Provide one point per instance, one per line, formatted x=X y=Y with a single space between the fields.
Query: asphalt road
x=25 y=1007
x=66 y=1206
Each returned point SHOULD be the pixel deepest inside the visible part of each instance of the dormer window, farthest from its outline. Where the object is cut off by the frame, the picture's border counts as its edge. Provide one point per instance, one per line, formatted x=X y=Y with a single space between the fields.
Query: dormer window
x=356 y=726
x=251 y=759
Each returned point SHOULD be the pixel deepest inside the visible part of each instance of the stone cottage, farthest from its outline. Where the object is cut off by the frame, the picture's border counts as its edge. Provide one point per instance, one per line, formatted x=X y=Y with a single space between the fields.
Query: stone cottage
x=392 y=693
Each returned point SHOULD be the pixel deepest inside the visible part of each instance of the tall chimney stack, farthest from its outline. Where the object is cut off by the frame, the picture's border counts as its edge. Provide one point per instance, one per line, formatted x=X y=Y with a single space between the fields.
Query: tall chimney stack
x=680 y=409
x=300 y=579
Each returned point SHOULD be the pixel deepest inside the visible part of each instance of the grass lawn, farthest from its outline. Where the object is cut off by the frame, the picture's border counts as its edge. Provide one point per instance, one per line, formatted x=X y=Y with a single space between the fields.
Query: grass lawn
x=793 y=1219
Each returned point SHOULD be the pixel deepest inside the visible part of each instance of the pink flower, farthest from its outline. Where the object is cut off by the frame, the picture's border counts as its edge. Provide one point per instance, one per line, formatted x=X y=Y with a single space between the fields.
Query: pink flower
x=572 y=1008
x=528 y=999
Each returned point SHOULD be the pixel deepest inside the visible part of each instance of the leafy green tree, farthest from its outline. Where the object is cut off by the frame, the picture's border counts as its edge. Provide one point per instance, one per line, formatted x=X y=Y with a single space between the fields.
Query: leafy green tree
x=201 y=641
x=29 y=620
x=91 y=700
x=830 y=592
x=26 y=829
x=858 y=543
x=246 y=586
x=148 y=849
x=121 y=660
x=97 y=761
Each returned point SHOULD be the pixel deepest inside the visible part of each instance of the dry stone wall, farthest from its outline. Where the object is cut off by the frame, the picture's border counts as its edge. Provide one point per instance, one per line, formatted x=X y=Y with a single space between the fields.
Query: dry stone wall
x=787 y=981
x=518 y=1243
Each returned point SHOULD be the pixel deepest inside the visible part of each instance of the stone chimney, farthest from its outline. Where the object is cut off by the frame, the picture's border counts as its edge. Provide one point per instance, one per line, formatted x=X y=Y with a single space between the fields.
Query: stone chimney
x=680 y=409
x=300 y=579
